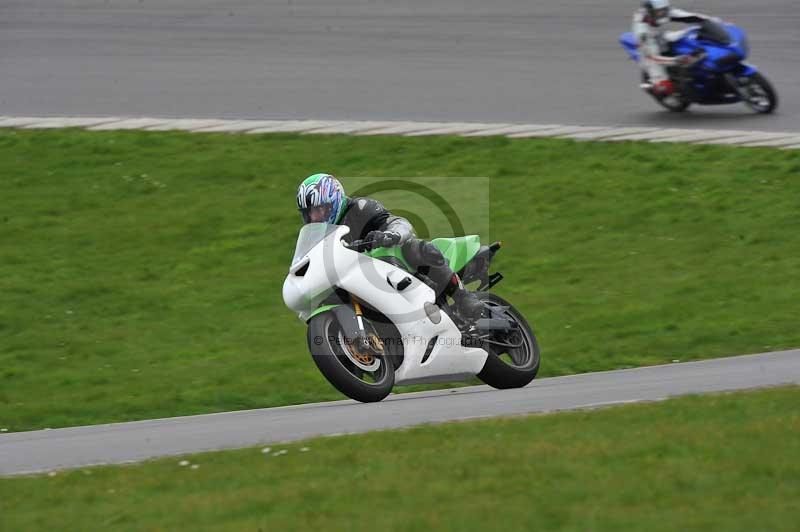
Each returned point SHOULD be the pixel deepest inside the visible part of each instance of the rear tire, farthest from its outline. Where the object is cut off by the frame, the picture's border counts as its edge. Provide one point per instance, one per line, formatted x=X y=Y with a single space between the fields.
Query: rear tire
x=334 y=363
x=498 y=373
x=676 y=102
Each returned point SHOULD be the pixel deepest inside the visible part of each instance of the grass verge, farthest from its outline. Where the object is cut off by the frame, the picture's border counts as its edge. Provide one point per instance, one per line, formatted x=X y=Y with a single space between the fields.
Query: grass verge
x=725 y=462
x=141 y=272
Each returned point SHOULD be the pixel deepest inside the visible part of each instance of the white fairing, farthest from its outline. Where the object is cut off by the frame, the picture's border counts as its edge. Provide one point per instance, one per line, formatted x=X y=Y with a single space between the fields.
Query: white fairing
x=330 y=264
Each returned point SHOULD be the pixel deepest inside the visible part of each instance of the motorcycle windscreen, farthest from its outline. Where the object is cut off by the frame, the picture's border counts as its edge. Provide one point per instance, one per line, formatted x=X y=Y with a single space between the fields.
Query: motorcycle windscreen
x=714 y=32
x=311 y=235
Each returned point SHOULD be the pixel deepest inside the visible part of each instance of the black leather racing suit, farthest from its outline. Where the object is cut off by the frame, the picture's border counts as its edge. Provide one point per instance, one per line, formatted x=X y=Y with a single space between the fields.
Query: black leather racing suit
x=364 y=215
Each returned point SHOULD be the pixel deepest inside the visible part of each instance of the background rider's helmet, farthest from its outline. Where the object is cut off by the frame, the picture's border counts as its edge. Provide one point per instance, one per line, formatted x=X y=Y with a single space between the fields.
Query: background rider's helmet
x=320 y=198
x=657 y=11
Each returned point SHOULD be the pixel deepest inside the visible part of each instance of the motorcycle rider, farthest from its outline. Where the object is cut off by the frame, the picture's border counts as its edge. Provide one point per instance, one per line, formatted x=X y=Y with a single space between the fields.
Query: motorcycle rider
x=321 y=198
x=648 y=27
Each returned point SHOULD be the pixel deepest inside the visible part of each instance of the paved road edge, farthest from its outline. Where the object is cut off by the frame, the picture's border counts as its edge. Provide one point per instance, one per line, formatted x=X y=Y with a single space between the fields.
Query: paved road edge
x=47 y=450
x=783 y=140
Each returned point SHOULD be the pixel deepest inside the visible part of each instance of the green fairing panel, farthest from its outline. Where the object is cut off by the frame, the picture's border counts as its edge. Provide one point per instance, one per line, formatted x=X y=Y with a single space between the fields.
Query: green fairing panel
x=396 y=252
x=458 y=251
x=320 y=310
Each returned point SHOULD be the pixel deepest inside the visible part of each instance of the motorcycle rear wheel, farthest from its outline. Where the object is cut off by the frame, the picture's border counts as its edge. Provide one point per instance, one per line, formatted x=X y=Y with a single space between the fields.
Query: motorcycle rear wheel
x=342 y=367
x=510 y=367
x=675 y=102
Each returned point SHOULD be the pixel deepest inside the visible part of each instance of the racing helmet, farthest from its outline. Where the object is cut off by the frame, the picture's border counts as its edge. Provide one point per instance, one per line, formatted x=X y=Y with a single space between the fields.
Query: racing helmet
x=657 y=11
x=320 y=198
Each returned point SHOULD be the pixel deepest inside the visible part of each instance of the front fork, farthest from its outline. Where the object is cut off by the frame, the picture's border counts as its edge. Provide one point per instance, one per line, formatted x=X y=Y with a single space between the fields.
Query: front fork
x=739 y=80
x=351 y=321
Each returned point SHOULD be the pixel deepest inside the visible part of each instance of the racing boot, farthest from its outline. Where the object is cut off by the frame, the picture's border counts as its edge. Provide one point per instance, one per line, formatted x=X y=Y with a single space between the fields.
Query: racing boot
x=468 y=306
x=664 y=88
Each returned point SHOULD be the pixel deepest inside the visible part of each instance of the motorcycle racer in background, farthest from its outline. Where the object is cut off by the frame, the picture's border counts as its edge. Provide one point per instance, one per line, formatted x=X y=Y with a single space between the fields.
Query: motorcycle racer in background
x=649 y=23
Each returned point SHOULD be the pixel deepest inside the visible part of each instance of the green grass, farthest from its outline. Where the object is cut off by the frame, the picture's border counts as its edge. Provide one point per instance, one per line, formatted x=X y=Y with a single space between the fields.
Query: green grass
x=726 y=462
x=141 y=273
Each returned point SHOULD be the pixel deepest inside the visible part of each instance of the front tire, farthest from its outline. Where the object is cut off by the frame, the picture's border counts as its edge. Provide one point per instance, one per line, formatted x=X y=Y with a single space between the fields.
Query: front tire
x=338 y=365
x=759 y=94
x=510 y=367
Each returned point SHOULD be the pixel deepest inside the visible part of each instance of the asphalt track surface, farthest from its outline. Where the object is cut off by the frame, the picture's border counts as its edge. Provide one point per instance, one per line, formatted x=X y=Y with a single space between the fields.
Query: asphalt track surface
x=520 y=61
x=38 y=451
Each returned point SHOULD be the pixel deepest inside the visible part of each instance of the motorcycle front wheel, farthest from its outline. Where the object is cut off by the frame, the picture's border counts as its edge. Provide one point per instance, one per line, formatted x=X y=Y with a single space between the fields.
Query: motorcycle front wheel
x=359 y=375
x=514 y=357
x=758 y=94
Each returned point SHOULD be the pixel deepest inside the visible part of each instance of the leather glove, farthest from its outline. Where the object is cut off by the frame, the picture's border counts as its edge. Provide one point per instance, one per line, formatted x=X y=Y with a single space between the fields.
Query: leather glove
x=686 y=60
x=383 y=239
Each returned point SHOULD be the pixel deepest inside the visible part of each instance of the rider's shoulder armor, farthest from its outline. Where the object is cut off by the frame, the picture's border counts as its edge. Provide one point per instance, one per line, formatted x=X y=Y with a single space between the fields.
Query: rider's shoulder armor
x=363 y=215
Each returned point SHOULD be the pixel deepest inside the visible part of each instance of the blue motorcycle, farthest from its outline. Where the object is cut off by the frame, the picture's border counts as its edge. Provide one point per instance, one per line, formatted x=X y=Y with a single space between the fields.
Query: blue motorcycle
x=714 y=71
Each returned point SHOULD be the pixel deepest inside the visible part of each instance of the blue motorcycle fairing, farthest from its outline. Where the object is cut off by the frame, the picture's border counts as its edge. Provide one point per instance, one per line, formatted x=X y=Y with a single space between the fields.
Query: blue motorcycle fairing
x=723 y=55
x=718 y=57
x=628 y=41
x=745 y=70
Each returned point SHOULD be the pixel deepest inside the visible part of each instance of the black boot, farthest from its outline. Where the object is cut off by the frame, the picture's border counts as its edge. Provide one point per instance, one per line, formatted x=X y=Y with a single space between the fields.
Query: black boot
x=468 y=305
x=431 y=266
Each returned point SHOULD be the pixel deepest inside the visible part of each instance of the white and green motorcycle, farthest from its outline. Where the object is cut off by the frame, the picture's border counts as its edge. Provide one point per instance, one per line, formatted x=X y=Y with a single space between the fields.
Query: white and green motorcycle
x=373 y=325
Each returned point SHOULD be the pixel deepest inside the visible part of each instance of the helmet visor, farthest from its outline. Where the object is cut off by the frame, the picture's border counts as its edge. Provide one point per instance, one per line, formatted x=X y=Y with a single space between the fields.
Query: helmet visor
x=661 y=15
x=316 y=214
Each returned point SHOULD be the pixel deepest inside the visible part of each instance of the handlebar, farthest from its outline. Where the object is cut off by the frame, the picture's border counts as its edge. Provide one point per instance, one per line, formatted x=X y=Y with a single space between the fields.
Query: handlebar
x=360 y=245
x=693 y=58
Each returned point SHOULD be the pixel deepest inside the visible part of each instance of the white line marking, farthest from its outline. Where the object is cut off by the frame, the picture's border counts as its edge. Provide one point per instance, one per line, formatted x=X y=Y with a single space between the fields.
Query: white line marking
x=608 y=133
x=21 y=121
x=698 y=136
x=620 y=402
x=349 y=128
x=751 y=136
x=185 y=124
x=238 y=126
x=566 y=130
x=519 y=128
x=129 y=123
x=402 y=128
x=295 y=126
x=788 y=141
x=58 y=123
x=456 y=129
x=657 y=134
x=584 y=130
